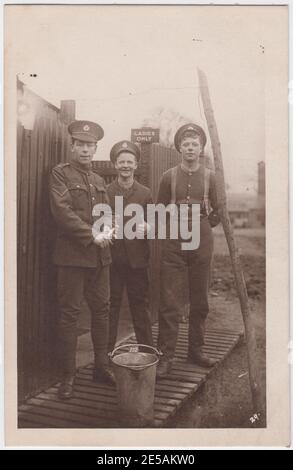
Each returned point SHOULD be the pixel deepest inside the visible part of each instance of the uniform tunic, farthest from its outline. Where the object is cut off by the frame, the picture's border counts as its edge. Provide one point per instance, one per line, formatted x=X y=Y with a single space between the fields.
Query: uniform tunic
x=83 y=267
x=129 y=268
x=74 y=191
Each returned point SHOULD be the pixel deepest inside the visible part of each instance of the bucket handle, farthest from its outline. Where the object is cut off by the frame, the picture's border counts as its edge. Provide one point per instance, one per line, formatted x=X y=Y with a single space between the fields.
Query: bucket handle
x=134 y=345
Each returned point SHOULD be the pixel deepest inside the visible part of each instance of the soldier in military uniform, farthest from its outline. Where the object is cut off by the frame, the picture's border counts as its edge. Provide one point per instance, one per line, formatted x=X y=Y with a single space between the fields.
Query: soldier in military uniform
x=188 y=183
x=130 y=257
x=82 y=259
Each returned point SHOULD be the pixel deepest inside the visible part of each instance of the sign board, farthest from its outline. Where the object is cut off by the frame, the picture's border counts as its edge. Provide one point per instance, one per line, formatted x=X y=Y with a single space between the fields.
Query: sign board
x=145 y=135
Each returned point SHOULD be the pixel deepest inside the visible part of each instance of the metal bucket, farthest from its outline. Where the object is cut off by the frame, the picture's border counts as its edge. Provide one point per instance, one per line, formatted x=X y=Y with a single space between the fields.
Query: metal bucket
x=135 y=373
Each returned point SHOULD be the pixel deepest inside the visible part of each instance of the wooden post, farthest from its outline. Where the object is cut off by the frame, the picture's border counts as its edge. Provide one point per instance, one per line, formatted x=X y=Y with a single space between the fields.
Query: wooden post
x=144 y=164
x=67 y=115
x=67 y=111
x=235 y=259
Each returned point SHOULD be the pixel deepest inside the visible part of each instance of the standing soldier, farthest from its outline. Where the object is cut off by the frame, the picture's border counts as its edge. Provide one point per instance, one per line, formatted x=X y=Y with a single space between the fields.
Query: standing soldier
x=130 y=257
x=188 y=183
x=82 y=259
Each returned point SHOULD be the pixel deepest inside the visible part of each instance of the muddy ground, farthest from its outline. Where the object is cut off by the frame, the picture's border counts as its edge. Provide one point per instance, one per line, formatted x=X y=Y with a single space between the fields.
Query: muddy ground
x=225 y=399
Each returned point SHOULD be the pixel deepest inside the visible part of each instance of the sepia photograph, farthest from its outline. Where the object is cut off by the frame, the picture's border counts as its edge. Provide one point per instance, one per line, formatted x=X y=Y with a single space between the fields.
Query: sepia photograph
x=146 y=230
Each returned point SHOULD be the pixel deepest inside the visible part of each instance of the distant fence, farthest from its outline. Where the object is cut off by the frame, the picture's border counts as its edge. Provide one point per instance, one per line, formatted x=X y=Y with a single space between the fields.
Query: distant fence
x=106 y=169
x=161 y=158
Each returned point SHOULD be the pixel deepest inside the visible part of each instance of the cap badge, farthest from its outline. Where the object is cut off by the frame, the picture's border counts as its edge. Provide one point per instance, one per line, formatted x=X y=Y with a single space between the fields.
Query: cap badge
x=86 y=128
x=190 y=128
x=124 y=145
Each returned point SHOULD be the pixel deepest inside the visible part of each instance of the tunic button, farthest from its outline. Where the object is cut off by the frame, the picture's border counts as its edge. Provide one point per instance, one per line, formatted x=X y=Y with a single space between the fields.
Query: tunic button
x=91 y=185
x=93 y=198
x=77 y=186
x=189 y=185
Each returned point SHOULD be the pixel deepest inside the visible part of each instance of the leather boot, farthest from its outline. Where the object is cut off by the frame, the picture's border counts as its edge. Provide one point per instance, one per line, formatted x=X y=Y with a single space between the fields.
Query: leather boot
x=104 y=375
x=198 y=357
x=164 y=368
x=65 y=390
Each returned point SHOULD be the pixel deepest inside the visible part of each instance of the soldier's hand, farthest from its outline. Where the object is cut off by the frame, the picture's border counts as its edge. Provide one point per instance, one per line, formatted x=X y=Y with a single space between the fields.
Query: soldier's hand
x=214 y=219
x=115 y=231
x=102 y=241
x=108 y=233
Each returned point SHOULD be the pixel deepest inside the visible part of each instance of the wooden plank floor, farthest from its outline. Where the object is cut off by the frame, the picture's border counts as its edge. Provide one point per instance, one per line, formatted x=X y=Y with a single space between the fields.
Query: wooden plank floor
x=95 y=406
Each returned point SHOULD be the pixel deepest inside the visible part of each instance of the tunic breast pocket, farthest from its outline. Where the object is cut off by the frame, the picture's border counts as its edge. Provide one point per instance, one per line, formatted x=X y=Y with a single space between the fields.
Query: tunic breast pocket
x=79 y=195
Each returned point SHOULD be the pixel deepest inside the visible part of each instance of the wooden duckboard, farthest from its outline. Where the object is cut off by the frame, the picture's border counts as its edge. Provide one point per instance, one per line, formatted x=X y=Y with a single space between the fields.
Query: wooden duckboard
x=94 y=405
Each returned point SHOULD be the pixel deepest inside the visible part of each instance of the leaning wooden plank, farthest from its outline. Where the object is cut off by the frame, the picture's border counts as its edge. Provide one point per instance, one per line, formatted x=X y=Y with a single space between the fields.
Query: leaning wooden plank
x=234 y=254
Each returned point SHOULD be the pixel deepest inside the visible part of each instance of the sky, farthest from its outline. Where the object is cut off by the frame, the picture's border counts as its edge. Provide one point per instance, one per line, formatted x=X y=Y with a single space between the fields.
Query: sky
x=120 y=63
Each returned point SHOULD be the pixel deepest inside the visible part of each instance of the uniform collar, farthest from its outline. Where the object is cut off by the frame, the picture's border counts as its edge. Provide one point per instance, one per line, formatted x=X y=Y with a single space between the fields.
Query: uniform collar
x=126 y=193
x=81 y=168
x=187 y=171
x=131 y=188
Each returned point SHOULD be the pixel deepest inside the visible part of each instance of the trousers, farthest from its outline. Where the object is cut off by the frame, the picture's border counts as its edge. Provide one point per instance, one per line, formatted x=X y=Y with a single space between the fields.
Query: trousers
x=137 y=286
x=74 y=285
x=177 y=266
